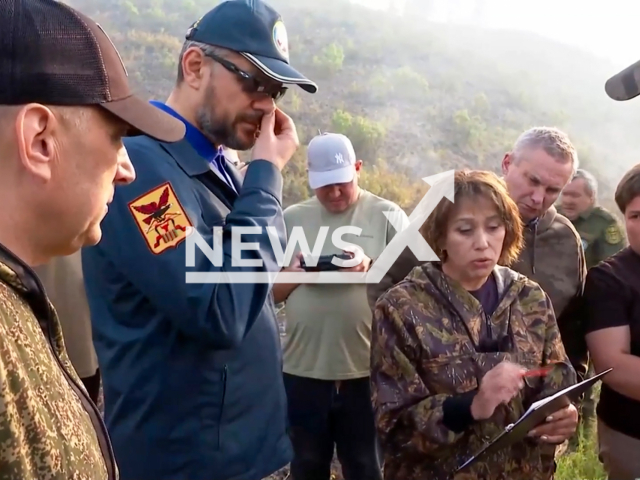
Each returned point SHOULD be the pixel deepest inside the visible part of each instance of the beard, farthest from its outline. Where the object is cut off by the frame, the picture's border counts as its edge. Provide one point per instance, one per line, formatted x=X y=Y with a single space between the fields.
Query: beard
x=223 y=130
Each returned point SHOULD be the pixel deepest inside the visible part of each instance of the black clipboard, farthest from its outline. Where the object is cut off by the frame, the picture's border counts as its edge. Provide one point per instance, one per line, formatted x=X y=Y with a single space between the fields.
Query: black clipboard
x=534 y=416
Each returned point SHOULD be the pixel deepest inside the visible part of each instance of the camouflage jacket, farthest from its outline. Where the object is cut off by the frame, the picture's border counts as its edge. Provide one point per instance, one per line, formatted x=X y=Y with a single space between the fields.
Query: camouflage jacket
x=421 y=354
x=49 y=428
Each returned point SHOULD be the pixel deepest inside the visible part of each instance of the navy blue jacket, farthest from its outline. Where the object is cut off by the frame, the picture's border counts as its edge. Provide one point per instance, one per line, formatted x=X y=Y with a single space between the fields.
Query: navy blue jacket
x=192 y=372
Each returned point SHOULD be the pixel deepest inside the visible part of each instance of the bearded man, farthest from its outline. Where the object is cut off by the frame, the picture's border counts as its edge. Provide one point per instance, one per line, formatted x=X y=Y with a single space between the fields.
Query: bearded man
x=192 y=372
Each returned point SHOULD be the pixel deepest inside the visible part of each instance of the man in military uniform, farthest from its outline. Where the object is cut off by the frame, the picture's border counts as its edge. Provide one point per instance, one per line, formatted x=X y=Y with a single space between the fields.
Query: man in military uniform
x=599 y=229
x=601 y=236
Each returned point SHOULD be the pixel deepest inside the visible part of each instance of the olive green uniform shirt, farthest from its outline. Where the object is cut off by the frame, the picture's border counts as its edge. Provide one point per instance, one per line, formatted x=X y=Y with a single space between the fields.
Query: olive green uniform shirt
x=601 y=234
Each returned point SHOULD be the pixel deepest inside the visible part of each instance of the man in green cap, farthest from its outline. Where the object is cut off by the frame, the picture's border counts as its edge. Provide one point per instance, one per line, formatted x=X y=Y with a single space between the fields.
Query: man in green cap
x=602 y=236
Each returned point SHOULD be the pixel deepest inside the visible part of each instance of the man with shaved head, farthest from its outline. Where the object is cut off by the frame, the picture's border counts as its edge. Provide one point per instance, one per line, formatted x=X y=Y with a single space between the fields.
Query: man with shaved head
x=192 y=372
x=65 y=106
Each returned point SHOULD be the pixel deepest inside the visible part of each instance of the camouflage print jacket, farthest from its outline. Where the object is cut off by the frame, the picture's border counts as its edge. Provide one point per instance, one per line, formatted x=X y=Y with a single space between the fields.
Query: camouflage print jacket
x=422 y=354
x=49 y=428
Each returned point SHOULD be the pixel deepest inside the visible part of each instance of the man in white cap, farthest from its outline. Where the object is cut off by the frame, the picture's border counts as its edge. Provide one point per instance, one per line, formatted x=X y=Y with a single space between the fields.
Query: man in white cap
x=328 y=329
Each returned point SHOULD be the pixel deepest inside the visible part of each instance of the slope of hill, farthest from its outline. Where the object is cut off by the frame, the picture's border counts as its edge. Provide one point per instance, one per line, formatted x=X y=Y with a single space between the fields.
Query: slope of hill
x=415 y=97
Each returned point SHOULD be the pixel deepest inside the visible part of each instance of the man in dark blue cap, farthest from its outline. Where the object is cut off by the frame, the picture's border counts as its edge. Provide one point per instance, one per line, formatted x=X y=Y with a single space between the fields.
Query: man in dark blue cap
x=192 y=372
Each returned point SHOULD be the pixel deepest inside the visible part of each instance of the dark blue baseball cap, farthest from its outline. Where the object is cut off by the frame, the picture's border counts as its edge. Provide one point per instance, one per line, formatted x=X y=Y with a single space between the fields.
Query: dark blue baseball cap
x=256 y=31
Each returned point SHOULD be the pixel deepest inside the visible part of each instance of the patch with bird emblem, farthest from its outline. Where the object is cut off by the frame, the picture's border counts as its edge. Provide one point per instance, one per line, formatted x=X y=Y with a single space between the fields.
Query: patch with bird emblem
x=612 y=235
x=160 y=218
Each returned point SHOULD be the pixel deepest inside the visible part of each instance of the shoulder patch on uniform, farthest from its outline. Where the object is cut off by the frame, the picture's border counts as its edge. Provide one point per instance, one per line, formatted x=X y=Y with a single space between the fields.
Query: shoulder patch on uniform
x=160 y=218
x=612 y=234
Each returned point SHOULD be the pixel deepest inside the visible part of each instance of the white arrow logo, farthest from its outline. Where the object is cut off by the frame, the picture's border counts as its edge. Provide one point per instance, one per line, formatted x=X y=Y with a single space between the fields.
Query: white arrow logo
x=442 y=186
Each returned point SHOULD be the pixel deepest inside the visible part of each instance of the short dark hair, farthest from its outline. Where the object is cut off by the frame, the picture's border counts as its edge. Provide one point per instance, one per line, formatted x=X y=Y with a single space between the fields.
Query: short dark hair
x=473 y=184
x=207 y=49
x=628 y=188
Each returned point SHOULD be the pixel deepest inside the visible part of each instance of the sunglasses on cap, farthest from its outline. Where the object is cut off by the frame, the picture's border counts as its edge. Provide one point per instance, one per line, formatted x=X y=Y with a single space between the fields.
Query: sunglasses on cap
x=251 y=83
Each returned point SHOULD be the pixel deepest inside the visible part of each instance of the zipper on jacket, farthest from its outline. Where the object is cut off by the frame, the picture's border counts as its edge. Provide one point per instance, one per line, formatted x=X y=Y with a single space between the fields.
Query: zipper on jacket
x=224 y=395
x=487 y=318
x=534 y=230
x=87 y=403
x=488 y=325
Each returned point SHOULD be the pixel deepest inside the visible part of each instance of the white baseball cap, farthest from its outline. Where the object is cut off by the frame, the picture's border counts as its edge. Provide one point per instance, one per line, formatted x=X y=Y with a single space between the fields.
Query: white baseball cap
x=330 y=159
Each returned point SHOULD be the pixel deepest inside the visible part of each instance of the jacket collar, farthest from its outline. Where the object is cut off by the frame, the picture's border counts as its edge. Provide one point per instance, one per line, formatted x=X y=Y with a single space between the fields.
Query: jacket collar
x=431 y=281
x=430 y=276
x=195 y=151
x=194 y=165
x=543 y=223
x=587 y=213
x=193 y=135
x=187 y=157
x=19 y=276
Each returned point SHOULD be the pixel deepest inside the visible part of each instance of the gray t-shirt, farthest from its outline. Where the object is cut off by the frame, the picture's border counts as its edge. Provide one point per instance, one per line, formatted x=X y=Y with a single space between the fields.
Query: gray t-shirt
x=328 y=329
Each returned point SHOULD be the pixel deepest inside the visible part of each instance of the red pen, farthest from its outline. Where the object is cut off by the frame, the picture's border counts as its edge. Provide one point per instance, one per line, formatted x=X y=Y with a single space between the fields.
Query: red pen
x=540 y=372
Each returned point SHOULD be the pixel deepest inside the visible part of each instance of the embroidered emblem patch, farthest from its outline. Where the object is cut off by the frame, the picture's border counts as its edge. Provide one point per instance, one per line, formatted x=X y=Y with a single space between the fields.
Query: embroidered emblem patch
x=193 y=28
x=160 y=218
x=612 y=234
x=281 y=39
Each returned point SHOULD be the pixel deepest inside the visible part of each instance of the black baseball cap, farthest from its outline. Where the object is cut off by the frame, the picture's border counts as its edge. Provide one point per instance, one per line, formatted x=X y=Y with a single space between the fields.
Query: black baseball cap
x=624 y=85
x=52 y=54
x=256 y=31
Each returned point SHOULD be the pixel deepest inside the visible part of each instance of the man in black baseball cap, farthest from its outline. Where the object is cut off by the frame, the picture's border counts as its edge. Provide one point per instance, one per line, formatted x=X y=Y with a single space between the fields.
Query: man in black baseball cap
x=625 y=85
x=65 y=105
x=257 y=32
x=233 y=68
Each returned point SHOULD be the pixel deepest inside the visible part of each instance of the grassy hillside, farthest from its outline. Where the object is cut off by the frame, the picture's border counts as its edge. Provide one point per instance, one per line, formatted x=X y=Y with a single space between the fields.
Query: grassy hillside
x=415 y=97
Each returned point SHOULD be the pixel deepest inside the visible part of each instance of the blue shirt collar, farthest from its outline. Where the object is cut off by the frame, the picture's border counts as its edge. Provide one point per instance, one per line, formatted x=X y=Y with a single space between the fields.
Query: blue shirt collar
x=195 y=137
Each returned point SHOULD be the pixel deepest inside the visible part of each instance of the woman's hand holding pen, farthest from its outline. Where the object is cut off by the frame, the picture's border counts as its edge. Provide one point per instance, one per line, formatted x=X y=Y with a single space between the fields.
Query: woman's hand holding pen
x=498 y=386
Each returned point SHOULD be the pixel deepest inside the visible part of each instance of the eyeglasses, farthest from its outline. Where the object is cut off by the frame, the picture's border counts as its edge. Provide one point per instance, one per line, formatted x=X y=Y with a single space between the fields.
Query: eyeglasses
x=251 y=83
